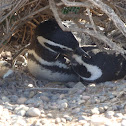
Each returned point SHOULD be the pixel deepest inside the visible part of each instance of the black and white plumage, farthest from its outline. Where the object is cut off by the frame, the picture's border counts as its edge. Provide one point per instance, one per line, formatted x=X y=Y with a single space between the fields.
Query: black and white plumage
x=44 y=60
x=100 y=67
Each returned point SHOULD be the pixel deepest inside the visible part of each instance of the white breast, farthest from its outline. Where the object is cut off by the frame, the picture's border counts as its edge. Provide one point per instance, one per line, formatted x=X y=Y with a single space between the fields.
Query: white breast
x=46 y=74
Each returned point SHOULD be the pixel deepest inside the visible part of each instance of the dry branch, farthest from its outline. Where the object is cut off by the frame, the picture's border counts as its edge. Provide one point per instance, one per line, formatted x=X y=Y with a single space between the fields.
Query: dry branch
x=112 y=15
x=97 y=35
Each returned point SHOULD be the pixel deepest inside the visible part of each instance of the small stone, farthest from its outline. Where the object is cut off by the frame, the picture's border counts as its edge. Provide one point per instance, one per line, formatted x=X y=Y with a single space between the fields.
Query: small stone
x=78 y=88
x=18 y=122
x=81 y=118
x=42 y=116
x=64 y=105
x=96 y=120
x=33 y=112
x=49 y=115
x=13 y=98
x=82 y=121
x=42 y=111
x=109 y=114
x=57 y=120
x=5 y=99
x=81 y=102
x=101 y=110
x=95 y=110
x=62 y=96
x=21 y=110
x=68 y=118
x=76 y=110
x=84 y=97
x=36 y=102
x=54 y=106
x=63 y=120
x=97 y=100
x=102 y=98
x=123 y=123
x=106 y=107
x=120 y=115
x=45 y=98
x=44 y=121
x=70 y=84
x=31 y=94
x=9 y=106
x=37 y=123
x=21 y=100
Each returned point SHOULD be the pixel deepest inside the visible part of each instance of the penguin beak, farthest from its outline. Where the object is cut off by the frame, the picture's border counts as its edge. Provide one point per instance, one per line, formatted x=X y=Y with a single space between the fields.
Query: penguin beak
x=79 y=51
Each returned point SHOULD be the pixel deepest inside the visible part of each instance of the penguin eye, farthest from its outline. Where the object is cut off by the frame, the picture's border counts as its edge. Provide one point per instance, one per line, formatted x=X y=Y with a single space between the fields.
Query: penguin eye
x=64 y=49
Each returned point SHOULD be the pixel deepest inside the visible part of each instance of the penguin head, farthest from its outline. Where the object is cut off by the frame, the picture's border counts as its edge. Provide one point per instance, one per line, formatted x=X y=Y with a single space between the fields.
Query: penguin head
x=50 y=35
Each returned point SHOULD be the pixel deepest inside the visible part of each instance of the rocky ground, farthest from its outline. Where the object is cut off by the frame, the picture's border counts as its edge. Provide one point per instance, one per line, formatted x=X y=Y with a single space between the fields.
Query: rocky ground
x=25 y=101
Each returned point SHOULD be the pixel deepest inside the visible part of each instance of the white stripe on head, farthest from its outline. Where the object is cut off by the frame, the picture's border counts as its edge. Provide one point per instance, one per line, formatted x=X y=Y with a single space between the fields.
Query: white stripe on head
x=43 y=62
x=95 y=71
x=42 y=40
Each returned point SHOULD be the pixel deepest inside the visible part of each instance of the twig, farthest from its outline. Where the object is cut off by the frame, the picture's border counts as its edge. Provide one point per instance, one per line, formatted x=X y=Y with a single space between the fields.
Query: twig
x=16 y=6
x=77 y=4
x=24 y=35
x=38 y=11
x=97 y=35
x=111 y=14
x=53 y=89
x=91 y=19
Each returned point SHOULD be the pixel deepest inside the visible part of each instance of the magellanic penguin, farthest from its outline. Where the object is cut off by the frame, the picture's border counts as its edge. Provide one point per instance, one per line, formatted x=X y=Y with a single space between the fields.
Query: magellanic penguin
x=45 y=59
x=100 y=67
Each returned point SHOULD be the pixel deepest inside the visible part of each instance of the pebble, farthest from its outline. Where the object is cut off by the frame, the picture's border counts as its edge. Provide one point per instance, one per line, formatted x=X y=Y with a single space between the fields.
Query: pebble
x=37 y=108
x=37 y=123
x=97 y=120
x=101 y=109
x=49 y=115
x=123 y=123
x=95 y=110
x=21 y=100
x=42 y=116
x=5 y=99
x=63 y=105
x=68 y=118
x=57 y=120
x=78 y=88
x=110 y=114
x=44 y=121
x=63 y=120
x=119 y=115
x=81 y=102
x=13 y=98
x=33 y=112
x=31 y=94
x=21 y=110
x=75 y=111
x=84 y=97
x=36 y=102
x=44 y=98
